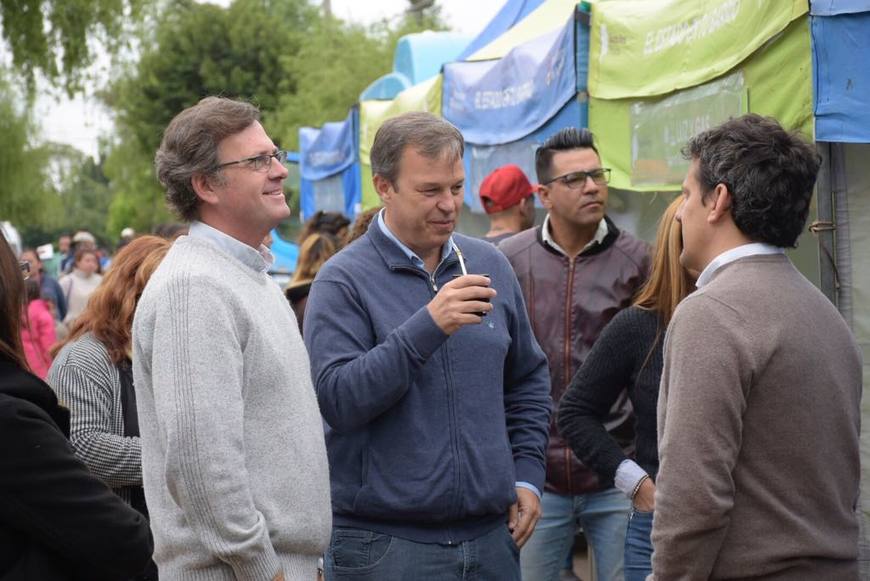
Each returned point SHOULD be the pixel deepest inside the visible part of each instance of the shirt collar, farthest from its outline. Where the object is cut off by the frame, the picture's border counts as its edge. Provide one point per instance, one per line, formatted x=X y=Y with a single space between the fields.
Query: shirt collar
x=412 y=256
x=258 y=259
x=598 y=238
x=729 y=256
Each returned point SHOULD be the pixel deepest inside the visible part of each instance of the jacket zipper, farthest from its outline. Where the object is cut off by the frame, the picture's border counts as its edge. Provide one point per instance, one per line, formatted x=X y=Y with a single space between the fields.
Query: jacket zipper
x=451 y=401
x=567 y=358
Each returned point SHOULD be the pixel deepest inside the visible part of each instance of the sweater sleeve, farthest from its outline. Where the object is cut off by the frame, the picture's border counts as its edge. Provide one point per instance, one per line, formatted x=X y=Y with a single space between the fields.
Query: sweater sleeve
x=604 y=375
x=355 y=379
x=197 y=375
x=701 y=404
x=52 y=498
x=526 y=395
x=114 y=458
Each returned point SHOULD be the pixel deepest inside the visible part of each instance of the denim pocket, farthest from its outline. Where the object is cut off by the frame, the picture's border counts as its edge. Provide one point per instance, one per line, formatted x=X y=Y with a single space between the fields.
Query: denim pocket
x=358 y=549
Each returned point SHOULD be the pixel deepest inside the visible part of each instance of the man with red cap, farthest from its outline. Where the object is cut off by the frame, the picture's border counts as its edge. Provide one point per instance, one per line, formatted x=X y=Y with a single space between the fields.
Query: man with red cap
x=508 y=199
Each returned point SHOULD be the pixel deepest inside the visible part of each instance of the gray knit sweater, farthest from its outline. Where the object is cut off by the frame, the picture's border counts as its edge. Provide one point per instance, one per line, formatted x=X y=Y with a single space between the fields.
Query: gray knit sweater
x=234 y=461
x=758 y=424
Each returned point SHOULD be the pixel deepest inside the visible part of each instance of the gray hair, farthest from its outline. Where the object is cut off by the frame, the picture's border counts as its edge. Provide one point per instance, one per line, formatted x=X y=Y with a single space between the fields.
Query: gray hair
x=430 y=136
x=190 y=144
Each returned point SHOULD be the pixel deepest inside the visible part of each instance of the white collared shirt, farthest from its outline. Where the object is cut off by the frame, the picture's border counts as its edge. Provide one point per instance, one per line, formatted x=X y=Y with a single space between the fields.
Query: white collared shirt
x=598 y=238
x=259 y=259
x=729 y=256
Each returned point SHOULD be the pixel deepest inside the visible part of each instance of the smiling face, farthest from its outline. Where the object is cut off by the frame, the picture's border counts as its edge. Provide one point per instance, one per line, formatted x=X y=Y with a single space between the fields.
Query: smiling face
x=246 y=204
x=581 y=208
x=423 y=203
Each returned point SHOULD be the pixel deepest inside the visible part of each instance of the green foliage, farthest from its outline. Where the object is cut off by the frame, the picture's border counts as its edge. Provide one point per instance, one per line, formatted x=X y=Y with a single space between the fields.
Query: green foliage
x=55 y=37
x=334 y=65
x=25 y=192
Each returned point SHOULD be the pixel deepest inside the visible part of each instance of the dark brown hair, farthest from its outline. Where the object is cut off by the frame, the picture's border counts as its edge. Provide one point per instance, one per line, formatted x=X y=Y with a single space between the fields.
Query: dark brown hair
x=11 y=303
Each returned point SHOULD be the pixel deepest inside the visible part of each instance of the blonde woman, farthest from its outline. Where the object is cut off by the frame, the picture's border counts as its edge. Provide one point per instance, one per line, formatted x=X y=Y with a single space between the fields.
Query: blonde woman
x=316 y=250
x=628 y=355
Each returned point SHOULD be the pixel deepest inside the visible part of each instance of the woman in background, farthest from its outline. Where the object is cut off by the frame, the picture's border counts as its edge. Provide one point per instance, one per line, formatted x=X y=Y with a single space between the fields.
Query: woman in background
x=57 y=520
x=335 y=224
x=628 y=355
x=316 y=250
x=79 y=284
x=91 y=372
x=37 y=330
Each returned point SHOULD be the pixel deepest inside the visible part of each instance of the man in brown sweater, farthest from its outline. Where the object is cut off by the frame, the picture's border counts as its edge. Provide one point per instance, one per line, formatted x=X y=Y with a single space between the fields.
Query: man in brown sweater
x=758 y=415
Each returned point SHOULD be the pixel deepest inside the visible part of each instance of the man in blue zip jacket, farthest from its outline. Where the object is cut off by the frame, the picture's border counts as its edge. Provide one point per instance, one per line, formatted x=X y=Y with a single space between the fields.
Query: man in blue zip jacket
x=435 y=392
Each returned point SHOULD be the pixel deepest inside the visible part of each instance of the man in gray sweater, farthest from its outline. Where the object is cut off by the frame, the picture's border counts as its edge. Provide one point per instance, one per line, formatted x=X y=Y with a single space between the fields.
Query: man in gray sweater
x=758 y=415
x=234 y=460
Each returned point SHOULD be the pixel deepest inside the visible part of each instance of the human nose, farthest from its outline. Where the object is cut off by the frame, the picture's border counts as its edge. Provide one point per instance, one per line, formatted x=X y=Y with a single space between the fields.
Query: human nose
x=678 y=216
x=281 y=172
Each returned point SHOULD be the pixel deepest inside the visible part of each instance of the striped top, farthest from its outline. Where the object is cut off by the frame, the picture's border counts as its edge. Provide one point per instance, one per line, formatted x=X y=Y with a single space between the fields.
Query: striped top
x=88 y=383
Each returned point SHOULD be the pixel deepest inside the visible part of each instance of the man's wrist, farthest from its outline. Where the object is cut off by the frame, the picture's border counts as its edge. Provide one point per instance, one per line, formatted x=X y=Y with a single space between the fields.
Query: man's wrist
x=628 y=477
x=529 y=486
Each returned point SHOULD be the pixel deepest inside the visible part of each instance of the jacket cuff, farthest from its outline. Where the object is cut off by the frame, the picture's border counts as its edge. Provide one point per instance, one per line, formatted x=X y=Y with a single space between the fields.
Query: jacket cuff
x=530 y=471
x=423 y=334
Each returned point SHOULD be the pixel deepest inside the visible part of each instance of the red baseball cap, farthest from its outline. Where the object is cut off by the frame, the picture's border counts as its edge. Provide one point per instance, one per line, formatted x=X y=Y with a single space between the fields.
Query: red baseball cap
x=504 y=188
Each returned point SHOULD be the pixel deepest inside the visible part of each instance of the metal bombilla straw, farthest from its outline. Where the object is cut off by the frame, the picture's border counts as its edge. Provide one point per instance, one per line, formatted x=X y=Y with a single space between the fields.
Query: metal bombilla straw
x=459 y=256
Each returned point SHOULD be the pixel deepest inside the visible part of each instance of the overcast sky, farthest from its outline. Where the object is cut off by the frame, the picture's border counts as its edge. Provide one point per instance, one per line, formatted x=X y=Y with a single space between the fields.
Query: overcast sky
x=80 y=121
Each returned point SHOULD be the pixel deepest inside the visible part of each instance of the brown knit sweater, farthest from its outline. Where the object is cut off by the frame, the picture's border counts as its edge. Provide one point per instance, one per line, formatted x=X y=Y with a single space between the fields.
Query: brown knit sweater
x=758 y=421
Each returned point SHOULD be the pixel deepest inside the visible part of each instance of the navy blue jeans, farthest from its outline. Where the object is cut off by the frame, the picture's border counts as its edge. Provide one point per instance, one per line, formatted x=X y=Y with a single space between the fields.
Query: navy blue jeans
x=638 y=546
x=364 y=555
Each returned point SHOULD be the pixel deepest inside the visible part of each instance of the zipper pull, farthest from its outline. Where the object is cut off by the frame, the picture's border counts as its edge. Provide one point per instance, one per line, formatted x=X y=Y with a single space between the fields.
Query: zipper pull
x=432 y=281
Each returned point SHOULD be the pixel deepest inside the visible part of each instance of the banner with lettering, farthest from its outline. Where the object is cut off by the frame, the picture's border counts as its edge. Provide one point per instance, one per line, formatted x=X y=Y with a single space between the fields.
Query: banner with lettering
x=640 y=138
x=500 y=101
x=326 y=151
x=654 y=47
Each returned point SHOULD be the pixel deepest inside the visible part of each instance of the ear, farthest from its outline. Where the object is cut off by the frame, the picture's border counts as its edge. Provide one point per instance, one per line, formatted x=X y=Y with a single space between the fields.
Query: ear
x=383 y=187
x=721 y=208
x=544 y=196
x=205 y=189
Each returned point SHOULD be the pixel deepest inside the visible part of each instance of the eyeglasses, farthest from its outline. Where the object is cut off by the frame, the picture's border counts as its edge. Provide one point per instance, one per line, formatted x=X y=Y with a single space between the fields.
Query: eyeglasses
x=577 y=179
x=258 y=162
x=24 y=265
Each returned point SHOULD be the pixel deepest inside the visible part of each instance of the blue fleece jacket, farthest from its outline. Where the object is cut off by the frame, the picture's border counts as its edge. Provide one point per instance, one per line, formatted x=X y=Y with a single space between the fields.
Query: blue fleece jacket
x=427 y=434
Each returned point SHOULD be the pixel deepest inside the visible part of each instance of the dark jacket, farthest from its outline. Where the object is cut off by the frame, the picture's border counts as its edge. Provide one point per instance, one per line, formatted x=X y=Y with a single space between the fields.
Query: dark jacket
x=57 y=521
x=569 y=303
x=427 y=434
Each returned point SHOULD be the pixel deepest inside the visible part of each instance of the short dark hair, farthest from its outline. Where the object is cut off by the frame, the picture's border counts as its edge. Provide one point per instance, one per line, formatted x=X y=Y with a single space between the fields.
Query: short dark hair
x=190 y=144
x=429 y=135
x=565 y=140
x=769 y=172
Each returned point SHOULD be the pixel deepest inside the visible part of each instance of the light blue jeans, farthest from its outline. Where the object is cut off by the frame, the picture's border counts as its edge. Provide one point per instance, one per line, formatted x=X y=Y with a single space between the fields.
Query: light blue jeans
x=638 y=546
x=604 y=518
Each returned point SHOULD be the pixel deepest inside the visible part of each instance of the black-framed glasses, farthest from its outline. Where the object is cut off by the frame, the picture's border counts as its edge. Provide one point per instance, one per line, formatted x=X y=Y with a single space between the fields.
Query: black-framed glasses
x=260 y=162
x=24 y=265
x=575 y=180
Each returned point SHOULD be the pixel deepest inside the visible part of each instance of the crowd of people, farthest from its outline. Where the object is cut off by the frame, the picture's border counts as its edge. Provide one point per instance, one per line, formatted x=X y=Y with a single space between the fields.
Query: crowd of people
x=420 y=404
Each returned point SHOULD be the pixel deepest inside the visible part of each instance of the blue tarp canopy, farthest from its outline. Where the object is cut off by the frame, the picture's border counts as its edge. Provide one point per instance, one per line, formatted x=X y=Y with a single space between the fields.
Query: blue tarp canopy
x=286 y=253
x=326 y=151
x=841 y=53
x=504 y=124
x=511 y=13
x=418 y=57
x=329 y=167
x=503 y=100
x=480 y=160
